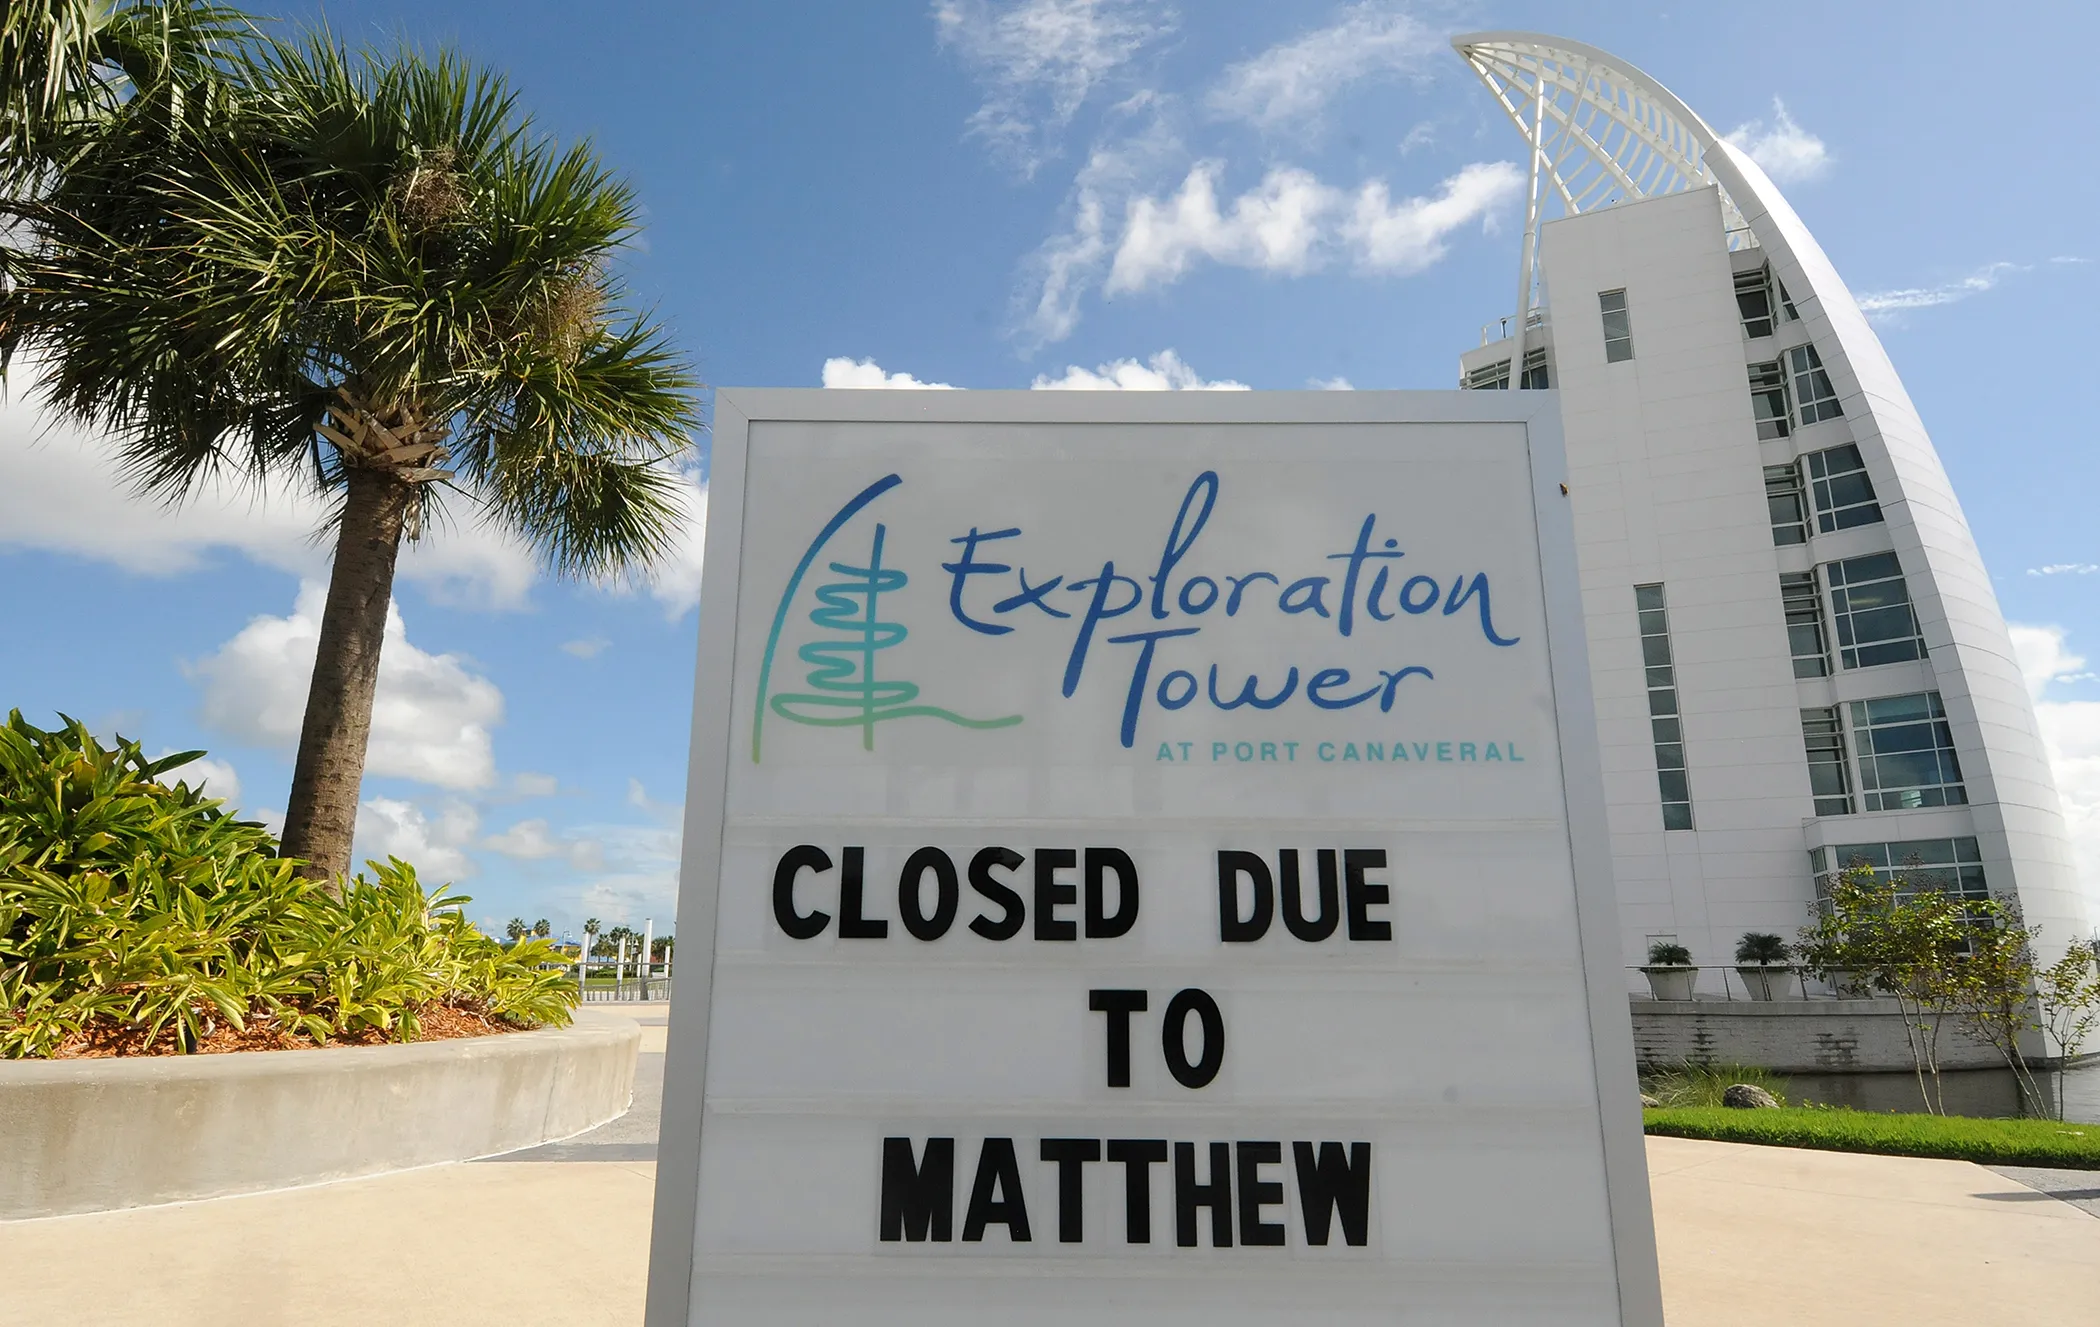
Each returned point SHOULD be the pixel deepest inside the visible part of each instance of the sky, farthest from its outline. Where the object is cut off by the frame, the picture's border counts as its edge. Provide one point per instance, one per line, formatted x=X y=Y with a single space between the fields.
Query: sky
x=1058 y=193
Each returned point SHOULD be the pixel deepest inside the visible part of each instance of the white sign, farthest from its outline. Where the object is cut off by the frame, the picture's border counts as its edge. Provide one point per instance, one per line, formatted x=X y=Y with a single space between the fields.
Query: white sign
x=1154 y=872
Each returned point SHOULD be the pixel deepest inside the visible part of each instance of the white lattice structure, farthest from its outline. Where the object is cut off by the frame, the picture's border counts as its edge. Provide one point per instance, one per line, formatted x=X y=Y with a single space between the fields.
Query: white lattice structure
x=1637 y=200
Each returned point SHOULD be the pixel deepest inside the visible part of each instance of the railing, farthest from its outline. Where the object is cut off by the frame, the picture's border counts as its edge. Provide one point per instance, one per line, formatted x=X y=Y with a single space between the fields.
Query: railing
x=1740 y=237
x=604 y=981
x=1500 y=329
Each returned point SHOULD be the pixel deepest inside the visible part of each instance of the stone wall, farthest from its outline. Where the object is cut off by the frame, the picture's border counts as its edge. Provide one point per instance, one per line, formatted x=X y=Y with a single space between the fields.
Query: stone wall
x=1792 y=1036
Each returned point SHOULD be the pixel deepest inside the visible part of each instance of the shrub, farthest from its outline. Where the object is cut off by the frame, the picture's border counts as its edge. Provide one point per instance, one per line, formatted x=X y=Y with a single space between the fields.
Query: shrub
x=1761 y=947
x=1691 y=1085
x=1669 y=954
x=141 y=913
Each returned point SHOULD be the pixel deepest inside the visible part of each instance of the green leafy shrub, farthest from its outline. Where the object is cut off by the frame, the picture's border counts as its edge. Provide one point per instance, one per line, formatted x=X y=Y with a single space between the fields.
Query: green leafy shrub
x=1762 y=947
x=1669 y=954
x=138 y=912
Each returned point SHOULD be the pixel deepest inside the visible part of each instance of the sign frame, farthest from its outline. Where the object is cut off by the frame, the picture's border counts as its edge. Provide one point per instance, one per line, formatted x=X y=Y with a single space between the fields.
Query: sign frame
x=672 y=1251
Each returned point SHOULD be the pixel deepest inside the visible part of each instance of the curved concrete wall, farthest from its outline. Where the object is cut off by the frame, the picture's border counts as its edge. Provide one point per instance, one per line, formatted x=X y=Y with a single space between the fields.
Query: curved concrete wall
x=2012 y=794
x=95 y=1135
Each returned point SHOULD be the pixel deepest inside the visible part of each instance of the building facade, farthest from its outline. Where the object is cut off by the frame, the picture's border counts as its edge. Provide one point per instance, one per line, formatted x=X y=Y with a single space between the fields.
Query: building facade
x=1798 y=657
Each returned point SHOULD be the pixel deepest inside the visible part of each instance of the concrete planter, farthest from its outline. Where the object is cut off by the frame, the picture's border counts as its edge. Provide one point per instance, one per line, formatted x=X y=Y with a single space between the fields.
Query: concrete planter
x=97 y=1135
x=1767 y=981
x=1672 y=981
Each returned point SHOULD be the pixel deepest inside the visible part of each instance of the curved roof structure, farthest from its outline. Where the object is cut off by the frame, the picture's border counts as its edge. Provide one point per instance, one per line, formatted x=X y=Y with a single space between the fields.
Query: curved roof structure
x=1602 y=132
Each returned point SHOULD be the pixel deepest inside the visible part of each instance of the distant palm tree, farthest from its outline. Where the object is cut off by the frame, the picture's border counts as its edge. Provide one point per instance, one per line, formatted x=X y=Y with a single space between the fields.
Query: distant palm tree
x=543 y=928
x=362 y=273
x=515 y=928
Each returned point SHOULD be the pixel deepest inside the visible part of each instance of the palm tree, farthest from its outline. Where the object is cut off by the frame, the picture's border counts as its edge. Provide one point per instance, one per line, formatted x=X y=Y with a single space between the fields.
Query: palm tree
x=543 y=928
x=515 y=929
x=368 y=274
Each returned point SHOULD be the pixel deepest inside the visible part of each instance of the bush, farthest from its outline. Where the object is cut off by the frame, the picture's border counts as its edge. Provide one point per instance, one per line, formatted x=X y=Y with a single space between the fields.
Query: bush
x=1830 y=1129
x=1669 y=954
x=1761 y=947
x=1690 y=1085
x=142 y=916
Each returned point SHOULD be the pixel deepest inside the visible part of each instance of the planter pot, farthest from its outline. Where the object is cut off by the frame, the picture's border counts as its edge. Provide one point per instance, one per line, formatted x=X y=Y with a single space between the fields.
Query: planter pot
x=1673 y=982
x=1767 y=981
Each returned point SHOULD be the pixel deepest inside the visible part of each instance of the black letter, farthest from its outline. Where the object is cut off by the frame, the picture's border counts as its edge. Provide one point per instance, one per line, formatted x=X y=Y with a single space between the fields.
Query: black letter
x=1257 y=1193
x=1231 y=928
x=1071 y=1155
x=919 y=1198
x=950 y=894
x=853 y=926
x=1294 y=905
x=1008 y=926
x=1118 y=1005
x=1050 y=895
x=1099 y=925
x=1362 y=897
x=1171 y=1038
x=798 y=926
x=997 y=1172
x=1138 y=1156
x=1334 y=1184
x=1216 y=1195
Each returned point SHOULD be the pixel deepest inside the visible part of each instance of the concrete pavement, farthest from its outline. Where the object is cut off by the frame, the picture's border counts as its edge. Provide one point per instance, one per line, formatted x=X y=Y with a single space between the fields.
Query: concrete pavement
x=1746 y=1235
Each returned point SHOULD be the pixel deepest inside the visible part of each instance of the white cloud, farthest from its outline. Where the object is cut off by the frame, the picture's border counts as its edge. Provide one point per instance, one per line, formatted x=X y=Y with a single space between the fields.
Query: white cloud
x=1164 y=372
x=2065 y=569
x=1787 y=152
x=1065 y=265
x=388 y=827
x=675 y=583
x=1272 y=228
x=1293 y=82
x=841 y=371
x=61 y=492
x=1405 y=237
x=430 y=718
x=532 y=841
x=216 y=777
x=1334 y=384
x=588 y=648
x=2071 y=735
x=1884 y=304
x=1039 y=60
x=525 y=783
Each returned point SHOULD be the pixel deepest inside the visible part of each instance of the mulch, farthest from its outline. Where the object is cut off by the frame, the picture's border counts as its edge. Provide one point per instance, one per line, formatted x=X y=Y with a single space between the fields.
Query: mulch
x=108 y=1038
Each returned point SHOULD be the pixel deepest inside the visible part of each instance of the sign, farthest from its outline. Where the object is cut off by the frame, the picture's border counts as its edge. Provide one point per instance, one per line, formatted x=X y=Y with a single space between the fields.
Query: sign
x=1144 y=864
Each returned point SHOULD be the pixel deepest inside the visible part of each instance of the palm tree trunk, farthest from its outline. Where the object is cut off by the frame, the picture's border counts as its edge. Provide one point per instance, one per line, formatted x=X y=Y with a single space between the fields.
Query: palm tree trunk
x=322 y=815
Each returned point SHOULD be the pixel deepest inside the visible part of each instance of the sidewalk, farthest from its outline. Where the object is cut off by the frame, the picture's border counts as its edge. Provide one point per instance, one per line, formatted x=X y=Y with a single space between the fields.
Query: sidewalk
x=561 y=1233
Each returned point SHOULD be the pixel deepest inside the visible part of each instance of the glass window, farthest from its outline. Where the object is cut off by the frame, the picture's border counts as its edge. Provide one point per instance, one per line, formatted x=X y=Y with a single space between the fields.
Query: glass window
x=1804 y=623
x=1870 y=607
x=1535 y=370
x=1489 y=377
x=1953 y=866
x=1783 y=498
x=1844 y=494
x=1670 y=773
x=1823 y=733
x=1906 y=753
x=1786 y=302
x=1814 y=397
x=1753 y=295
x=1768 y=400
x=1618 y=330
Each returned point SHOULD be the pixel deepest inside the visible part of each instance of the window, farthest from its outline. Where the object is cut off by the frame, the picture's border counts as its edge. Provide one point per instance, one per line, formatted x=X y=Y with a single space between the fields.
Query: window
x=1663 y=718
x=1783 y=498
x=1844 y=494
x=1768 y=400
x=1618 y=331
x=1813 y=395
x=1906 y=753
x=1753 y=295
x=1495 y=377
x=1871 y=608
x=1804 y=623
x=1823 y=733
x=1786 y=302
x=1953 y=866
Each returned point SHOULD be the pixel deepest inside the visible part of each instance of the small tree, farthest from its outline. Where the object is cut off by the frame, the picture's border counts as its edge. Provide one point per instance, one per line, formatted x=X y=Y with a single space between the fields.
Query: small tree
x=2069 y=995
x=543 y=928
x=661 y=950
x=515 y=928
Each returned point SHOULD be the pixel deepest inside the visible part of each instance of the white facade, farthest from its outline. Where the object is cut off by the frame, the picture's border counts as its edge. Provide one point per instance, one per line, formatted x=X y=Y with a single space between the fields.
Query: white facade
x=1679 y=479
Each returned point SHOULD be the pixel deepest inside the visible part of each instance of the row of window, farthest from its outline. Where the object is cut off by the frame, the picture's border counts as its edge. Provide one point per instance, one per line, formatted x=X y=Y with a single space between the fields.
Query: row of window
x=1836 y=481
x=1870 y=608
x=1905 y=751
x=1663 y=720
x=1950 y=866
x=1495 y=376
x=1794 y=388
x=1753 y=296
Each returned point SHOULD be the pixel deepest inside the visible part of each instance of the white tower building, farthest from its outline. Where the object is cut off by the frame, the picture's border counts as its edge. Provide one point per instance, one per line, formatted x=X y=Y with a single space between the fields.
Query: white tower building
x=1798 y=657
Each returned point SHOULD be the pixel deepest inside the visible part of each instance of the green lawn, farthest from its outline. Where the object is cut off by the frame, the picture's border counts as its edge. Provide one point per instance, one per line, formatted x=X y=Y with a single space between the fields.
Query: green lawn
x=1991 y=1142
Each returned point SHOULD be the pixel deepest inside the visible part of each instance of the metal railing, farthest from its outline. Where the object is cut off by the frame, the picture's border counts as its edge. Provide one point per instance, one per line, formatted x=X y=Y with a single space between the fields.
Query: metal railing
x=1500 y=329
x=622 y=980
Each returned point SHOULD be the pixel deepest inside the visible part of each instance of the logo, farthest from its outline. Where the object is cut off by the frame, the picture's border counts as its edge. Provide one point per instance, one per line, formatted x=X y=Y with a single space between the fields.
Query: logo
x=844 y=690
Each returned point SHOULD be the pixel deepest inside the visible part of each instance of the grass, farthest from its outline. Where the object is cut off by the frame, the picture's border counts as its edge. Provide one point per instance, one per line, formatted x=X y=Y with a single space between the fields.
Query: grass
x=1957 y=1138
x=1702 y=1084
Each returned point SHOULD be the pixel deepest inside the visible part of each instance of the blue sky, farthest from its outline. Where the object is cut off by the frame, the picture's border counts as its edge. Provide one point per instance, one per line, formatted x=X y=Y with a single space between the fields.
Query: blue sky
x=1076 y=192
